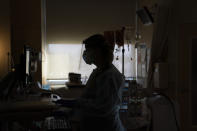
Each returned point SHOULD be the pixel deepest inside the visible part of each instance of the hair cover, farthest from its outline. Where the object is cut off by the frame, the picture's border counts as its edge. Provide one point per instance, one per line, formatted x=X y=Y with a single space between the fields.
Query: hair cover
x=96 y=41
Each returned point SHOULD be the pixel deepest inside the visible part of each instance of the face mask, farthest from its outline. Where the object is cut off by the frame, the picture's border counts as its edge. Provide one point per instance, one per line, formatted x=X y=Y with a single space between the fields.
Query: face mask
x=87 y=57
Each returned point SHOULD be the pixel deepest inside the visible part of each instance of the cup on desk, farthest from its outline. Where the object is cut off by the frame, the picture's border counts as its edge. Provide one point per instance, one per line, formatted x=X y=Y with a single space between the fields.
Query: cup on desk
x=74 y=77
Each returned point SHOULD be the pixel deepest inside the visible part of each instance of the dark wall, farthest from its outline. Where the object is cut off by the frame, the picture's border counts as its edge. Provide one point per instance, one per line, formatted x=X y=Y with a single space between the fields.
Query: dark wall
x=70 y=21
x=26 y=28
x=4 y=36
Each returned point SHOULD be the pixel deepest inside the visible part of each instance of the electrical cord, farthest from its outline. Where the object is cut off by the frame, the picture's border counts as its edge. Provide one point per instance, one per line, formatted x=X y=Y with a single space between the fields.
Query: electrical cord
x=173 y=108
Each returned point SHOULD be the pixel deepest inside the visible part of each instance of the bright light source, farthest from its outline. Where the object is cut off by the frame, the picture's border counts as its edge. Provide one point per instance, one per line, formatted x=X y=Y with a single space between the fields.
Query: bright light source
x=65 y=58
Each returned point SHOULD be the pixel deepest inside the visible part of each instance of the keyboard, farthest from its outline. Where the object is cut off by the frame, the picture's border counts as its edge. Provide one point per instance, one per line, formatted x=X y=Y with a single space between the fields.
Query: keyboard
x=53 y=124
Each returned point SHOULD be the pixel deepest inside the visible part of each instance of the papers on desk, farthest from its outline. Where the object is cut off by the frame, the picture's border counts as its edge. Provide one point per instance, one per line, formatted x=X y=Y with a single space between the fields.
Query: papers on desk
x=58 y=86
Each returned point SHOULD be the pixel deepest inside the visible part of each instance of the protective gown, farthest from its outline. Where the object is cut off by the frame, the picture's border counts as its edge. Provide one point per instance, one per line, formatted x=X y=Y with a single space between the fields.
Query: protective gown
x=100 y=103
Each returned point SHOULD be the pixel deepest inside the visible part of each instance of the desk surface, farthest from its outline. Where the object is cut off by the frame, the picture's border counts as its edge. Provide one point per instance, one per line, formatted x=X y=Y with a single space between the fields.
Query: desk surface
x=26 y=106
x=36 y=108
x=68 y=93
x=27 y=110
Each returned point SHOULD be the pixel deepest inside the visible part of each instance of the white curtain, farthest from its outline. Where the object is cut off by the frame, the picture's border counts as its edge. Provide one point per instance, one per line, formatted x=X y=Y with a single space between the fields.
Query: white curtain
x=160 y=37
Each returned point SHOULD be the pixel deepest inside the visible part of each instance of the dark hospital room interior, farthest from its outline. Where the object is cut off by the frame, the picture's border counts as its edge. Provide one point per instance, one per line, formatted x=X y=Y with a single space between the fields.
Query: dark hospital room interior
x=98 y=65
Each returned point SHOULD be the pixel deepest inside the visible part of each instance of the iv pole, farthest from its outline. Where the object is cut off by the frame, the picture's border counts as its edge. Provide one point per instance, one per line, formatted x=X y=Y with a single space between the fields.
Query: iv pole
x=123 y=51
x=136 y=22
x=137 y=35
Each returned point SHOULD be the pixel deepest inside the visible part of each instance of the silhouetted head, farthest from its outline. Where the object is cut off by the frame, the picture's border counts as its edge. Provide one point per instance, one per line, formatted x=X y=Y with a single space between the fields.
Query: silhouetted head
x=98 y=50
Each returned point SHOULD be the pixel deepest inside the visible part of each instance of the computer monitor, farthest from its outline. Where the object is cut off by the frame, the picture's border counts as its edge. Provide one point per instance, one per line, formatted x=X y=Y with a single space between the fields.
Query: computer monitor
x=29 y=64
x=22 y=75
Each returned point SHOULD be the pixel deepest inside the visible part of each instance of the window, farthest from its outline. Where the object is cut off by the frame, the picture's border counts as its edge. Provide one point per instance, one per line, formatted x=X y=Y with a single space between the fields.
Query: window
x=65 y=58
